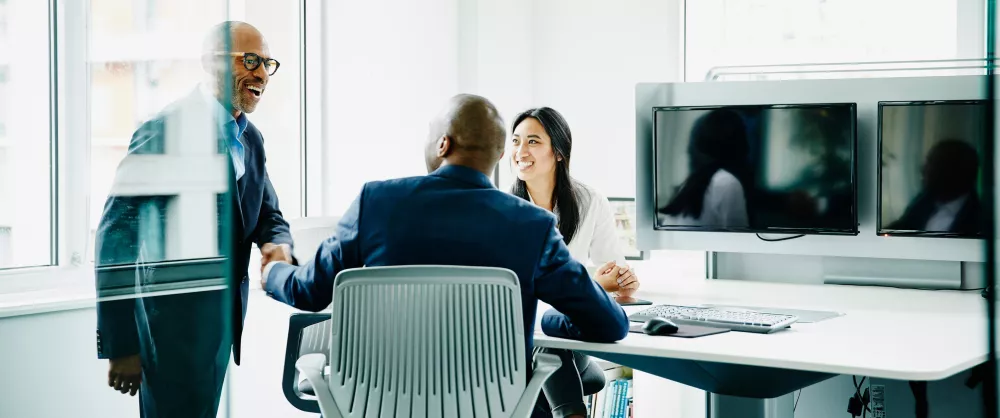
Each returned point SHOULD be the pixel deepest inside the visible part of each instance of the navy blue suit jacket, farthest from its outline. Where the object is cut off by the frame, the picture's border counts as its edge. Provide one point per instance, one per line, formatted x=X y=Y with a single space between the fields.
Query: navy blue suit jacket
x=455 y=216
x=256 y=218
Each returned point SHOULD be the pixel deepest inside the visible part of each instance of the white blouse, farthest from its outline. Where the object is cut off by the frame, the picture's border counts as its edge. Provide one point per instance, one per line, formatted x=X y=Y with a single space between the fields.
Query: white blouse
x=596 y=240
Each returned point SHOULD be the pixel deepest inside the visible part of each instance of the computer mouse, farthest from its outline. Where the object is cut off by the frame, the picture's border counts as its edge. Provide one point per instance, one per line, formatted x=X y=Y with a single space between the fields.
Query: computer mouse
x=659 y=326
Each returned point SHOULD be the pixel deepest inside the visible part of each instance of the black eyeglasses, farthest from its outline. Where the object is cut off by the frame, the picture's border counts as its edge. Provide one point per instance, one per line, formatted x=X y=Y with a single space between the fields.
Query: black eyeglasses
x=252 y=61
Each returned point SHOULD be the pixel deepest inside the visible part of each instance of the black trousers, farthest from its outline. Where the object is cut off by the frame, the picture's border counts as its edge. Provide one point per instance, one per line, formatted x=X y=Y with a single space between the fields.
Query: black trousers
x=185 y=343
x=579 y=376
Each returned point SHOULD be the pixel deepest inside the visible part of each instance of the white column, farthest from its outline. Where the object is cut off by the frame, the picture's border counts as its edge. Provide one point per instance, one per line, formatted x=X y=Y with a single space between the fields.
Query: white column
x=495 y=58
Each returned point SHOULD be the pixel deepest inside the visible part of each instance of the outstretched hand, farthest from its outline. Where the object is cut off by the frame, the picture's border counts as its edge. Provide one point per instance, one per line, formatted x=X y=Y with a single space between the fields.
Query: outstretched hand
x=274 y=252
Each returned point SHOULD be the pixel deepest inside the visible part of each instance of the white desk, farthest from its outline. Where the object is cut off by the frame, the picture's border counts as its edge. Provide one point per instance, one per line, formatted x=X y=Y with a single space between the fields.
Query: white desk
x=886 y=333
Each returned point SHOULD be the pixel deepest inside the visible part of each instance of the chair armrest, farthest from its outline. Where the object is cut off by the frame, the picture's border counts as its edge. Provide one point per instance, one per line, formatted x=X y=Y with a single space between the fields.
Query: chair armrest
x=311 y=365
x=289 y=380
x=545 y=365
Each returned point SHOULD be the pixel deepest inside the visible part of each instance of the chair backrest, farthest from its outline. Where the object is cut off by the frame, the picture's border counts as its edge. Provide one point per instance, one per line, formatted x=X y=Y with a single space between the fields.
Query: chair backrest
x=429 y=341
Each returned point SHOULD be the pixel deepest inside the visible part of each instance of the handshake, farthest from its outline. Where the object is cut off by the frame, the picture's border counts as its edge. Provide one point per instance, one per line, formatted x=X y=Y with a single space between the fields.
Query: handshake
x=274 y=252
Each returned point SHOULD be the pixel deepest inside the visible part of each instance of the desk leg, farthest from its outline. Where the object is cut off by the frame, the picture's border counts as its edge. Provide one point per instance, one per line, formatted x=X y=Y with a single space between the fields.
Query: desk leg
x=722 y=406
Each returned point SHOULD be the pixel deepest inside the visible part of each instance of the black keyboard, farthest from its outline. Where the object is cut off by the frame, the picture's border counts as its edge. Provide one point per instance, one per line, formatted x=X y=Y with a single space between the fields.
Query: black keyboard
x=734 y=319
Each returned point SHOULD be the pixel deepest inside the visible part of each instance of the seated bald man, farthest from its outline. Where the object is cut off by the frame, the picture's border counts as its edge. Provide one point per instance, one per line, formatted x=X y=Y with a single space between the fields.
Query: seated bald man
x=488 y=228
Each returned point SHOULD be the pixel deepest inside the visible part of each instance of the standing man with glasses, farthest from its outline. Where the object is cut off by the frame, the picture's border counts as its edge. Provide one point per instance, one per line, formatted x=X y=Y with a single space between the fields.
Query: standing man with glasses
x=174 y=350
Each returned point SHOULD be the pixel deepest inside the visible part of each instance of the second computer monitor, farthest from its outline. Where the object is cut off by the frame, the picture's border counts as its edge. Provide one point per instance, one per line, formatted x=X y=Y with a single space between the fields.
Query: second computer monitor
x=761 y=168
x=930 y=168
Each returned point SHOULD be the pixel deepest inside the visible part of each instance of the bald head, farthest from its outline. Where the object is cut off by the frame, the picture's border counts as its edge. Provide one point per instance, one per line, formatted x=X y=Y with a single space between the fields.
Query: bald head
x=233 y=76
x=226 y=36
x=470 y=132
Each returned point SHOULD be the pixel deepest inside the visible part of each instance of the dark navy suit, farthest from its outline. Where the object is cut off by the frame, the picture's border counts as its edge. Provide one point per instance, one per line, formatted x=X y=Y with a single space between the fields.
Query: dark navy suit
x=455 y=216
x=184 y=340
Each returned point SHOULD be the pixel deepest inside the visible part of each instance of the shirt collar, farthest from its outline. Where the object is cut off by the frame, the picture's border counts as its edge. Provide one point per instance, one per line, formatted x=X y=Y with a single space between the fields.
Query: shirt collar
x=464 y=174
x=226 y=119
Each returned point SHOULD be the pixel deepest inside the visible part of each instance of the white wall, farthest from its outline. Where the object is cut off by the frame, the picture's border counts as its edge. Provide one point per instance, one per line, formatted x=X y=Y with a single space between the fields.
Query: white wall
x=587 y=57
x=255 y=385
x=581 y=58
x=496 y=44
x=393 y=64
x=55 y=357
x=49 y=369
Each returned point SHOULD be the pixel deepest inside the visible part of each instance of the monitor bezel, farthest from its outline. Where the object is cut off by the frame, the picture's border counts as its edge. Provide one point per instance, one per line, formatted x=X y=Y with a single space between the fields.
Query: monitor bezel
x=885 y=232
x=853 y=231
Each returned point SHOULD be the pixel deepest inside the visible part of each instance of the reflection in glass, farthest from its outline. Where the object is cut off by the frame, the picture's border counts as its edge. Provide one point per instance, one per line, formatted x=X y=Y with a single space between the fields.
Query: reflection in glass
x=165 y=320
x=756 y=168
x=930 y=168
x=713 y=193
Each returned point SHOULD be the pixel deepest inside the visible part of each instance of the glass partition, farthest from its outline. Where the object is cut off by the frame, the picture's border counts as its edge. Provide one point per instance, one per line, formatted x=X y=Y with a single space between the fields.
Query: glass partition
x=168 y=88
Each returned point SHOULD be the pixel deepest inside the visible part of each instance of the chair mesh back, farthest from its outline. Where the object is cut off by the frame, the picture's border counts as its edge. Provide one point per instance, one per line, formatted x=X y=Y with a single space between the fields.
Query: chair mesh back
x=427 y=341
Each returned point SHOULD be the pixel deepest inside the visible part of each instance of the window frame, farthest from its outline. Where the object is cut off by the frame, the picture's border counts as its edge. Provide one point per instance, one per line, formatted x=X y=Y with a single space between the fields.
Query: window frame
x=68 y=155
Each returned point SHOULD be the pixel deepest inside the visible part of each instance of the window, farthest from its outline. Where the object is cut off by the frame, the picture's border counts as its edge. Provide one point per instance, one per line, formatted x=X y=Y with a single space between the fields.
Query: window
x=765 y=32
x=279 y=114
x=158 y=199
x=134 y=81
x=26 y=209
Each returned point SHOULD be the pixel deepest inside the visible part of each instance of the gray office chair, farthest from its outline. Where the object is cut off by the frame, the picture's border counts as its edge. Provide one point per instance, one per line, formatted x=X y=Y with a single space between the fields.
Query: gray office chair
x=434 y=341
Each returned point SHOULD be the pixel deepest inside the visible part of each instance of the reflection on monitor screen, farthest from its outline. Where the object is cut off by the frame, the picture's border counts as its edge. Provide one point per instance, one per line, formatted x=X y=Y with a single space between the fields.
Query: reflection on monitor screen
x=930 y=168
x=762 y=168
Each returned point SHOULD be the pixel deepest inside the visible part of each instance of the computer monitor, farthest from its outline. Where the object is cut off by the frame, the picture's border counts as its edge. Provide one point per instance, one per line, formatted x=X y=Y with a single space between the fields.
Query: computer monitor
x=930 y=168
x=774 y=168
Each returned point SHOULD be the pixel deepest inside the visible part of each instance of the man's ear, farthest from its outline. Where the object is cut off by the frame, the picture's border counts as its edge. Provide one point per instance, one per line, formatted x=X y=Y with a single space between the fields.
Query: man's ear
x=443 y=146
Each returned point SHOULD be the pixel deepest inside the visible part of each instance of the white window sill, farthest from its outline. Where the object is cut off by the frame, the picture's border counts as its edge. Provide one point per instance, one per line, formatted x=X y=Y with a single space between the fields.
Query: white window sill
x=30 y=303
x=46 y=289
x=73 y=297
x=52 y=289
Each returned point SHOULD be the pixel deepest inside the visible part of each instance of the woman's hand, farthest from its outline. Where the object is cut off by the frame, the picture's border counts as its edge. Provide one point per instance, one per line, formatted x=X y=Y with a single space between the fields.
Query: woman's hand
x=619 y=279
x=607 y=276
x=628 y=281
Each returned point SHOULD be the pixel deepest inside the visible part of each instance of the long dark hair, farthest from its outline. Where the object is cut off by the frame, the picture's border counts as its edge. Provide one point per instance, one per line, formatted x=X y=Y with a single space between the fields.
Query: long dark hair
x=565 y=194
x=718 y=141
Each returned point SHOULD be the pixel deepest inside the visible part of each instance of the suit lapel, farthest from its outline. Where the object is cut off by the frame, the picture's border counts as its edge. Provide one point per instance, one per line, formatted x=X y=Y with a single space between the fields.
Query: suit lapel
x=238 y=185
x=237 y=194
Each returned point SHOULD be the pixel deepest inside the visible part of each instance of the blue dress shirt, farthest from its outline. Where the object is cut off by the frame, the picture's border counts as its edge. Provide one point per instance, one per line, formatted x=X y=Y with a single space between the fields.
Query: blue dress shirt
x=233 y=128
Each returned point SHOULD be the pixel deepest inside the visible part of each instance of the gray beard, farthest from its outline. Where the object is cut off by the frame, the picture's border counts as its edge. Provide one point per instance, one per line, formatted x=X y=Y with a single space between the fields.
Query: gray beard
x=235 y=96
x=237 y=100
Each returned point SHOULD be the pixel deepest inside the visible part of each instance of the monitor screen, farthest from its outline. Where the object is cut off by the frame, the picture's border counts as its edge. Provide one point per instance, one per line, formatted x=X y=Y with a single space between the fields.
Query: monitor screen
x=930 y=170
x=760 y=168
